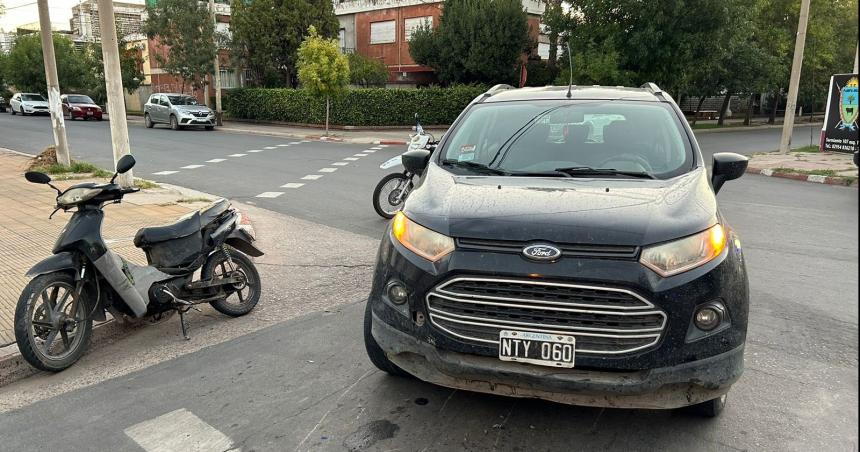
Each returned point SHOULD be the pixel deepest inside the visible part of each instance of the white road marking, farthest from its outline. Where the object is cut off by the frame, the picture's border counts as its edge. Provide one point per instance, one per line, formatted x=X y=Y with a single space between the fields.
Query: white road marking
x=312 y=177
x=270 y=194
x=376 y=148
x=216 y=160
x=193 y=166
x=381 y=146
x=164 y=173
x=305 y=141
x=370 y=151
x=255 y=150
x=237 y=155
x=351 y=159
x=292 y=185
x=327 y=170
x=283 y=145
x=178 y=430
x=359 y=155
x=340 y=163
x=269 y=147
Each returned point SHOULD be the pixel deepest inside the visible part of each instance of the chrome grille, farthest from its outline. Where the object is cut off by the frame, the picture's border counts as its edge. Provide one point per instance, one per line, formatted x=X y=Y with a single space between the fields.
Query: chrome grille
x=567 y=249
x=607 y=321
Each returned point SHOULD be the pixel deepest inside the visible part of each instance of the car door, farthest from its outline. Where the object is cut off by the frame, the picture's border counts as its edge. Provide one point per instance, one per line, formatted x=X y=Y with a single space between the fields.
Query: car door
x=15 y=103
x=164 y=108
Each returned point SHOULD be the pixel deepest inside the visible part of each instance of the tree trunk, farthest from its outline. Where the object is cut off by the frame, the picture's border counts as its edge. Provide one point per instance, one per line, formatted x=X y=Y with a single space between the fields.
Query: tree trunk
x=772 y=118
x=698 y=109
x=724 y=108
x=326 y=114
x=750 y=103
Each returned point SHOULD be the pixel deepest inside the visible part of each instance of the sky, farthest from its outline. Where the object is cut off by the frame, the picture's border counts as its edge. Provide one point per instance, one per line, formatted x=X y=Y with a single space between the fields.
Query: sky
x=19 y=12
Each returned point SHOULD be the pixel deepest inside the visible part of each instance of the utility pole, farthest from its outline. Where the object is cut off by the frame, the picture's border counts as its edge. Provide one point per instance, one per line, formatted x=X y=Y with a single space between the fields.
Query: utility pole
x=794 y=82
x=113 y=82
x=217 y=69
x=856 y=53
x=61 y=143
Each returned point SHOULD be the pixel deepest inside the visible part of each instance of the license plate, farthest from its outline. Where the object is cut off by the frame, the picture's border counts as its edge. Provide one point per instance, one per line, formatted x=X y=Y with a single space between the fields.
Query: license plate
x=543 y=349
x=89 y=113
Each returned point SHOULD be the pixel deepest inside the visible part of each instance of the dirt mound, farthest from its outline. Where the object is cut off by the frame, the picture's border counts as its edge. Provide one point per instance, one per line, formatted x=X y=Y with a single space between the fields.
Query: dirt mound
x=47 y=157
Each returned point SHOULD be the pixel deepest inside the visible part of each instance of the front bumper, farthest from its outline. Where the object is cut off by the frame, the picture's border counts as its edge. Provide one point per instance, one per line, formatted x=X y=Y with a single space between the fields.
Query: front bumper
x=190 y=120
x=660 y=388
x=85 y=115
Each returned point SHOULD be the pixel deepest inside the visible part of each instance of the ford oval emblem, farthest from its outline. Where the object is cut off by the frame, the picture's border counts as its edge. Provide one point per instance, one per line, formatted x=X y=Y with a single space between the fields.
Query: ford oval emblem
x=541 y=252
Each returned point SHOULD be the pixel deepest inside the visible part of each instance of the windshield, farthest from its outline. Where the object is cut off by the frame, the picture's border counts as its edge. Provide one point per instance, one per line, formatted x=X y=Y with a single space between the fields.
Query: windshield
x=544 y=136
x=33 y=97
x=80 y=100
x=182 y=100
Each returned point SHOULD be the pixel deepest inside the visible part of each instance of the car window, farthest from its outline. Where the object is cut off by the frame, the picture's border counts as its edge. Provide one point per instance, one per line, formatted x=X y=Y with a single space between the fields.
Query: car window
x=79 y=99
x=162 y=100
x=32 y=97
x=182 y=100
x=540 y=136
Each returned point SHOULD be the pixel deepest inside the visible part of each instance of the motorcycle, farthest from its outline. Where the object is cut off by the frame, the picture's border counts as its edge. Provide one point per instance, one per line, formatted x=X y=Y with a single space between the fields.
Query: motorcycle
x=391 y=192
x=84 y=279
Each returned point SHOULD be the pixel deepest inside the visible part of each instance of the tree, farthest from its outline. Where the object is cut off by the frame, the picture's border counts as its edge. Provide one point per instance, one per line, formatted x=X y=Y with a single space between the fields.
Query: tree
x=131 y=65
x=186 y=30
x=366 y=72
x=323 y=71
x=477 y=41
x=25 y=66
x=267 y=35
x=557 y=21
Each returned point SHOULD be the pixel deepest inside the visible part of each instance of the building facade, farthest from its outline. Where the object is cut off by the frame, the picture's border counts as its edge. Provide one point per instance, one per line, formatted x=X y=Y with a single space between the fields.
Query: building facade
x=85 y=24
x=381 y=29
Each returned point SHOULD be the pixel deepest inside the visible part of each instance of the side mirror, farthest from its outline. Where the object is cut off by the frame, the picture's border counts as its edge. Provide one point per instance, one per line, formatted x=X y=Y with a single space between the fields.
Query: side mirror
x=727 y=166
x=37 y=177
x=124 y=164
x=415 y=161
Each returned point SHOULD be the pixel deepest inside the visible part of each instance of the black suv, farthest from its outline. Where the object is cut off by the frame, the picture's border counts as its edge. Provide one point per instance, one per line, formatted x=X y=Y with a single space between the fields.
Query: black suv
x=564 y=243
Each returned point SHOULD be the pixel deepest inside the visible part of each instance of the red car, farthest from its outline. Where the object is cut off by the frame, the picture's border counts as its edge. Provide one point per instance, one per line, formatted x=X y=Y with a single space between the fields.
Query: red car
x=80 y=106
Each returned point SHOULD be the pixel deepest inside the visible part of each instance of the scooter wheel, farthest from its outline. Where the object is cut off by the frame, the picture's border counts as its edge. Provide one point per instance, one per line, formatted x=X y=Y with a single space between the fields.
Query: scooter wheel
x=386 y=190
x=50 y=336
x=241 y=297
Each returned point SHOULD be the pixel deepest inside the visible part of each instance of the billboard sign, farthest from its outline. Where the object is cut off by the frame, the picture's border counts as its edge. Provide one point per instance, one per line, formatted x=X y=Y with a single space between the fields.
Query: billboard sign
x=840 y=132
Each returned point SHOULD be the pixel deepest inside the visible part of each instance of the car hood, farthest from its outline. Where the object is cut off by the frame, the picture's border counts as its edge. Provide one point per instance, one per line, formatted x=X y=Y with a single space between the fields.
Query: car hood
x=75 y=104
x=192 y=108
x=35 y=103
x=563 y=210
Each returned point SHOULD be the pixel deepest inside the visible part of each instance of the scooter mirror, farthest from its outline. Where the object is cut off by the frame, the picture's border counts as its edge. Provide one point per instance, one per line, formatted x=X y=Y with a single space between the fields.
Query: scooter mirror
x=124 y=164
x=37 y=177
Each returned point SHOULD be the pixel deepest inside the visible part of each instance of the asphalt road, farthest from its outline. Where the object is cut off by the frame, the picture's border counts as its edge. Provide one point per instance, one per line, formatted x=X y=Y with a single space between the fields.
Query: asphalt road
x=345 y=193
x=305 y=384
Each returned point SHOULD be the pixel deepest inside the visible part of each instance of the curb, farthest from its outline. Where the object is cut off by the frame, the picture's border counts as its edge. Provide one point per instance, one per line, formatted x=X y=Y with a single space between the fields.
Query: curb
x=743 y=128
x=391 y=142
x=817 y=179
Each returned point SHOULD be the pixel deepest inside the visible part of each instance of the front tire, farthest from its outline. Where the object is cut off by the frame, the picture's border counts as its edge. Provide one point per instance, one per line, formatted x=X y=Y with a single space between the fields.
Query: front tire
x=13 y=111
x=174 y=123
x=384 y=193
x=147 y=121
x=241 y=298
x=210 y=127
x=375 y=352
x=49 y=337
x=710 y=409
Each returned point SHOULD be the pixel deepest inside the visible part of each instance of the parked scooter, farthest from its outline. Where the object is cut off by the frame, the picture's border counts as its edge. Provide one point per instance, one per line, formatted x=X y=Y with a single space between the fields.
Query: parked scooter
x=391 y=192
x=84 y=278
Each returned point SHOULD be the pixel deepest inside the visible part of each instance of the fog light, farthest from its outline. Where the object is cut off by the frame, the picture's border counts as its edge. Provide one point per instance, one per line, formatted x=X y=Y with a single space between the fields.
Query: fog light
x=707 y=318
x=397 y=292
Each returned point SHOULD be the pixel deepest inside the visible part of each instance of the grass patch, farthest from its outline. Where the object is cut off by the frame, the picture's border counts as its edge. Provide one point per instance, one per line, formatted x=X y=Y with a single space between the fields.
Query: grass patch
x=193 y=199
x=706 y=126
x=145 y=184
x=814 y=172
x=806 y=149
x=74 y=168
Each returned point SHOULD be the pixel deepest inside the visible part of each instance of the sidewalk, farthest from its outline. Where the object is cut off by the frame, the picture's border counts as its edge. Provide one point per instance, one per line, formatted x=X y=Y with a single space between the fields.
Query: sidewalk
x=832 y=168
x=27 y=235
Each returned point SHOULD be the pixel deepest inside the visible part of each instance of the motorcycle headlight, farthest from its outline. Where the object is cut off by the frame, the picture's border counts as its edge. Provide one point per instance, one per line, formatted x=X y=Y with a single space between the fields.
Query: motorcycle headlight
x=77 y=195
x=424 y=242
x=684 y=254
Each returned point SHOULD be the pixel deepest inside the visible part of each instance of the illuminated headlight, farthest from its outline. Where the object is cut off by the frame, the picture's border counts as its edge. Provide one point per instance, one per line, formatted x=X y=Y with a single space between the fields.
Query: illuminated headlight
x=684 y=254
x=424 y=242
x=78 y=195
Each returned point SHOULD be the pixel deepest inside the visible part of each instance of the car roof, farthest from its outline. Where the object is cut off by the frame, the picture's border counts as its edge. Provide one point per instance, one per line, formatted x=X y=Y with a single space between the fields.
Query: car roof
x=172 y=94
x=576 y=92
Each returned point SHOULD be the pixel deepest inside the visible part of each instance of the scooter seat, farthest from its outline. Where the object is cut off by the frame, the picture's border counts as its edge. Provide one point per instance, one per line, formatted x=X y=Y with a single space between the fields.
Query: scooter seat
x=185 y=226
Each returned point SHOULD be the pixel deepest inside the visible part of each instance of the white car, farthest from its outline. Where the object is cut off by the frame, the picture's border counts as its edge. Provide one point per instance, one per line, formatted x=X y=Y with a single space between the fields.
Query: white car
x=29 y=104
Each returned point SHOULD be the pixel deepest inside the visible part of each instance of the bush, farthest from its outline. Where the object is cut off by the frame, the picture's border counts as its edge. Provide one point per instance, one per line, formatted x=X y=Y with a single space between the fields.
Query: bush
x=366 y=72
x=358 y=107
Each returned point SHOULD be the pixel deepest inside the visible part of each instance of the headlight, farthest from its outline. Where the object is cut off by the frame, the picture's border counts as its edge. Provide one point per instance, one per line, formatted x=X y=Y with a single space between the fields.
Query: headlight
x=76 y=108
x=684 y=254
x=424 y=242
x=77 y=195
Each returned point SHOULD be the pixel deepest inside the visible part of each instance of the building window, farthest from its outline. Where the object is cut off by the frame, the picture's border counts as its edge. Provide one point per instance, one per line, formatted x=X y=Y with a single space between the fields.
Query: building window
x=341 y=37
x=228 y=79
x=382 y=32
x=247 y=77
x=411 y=24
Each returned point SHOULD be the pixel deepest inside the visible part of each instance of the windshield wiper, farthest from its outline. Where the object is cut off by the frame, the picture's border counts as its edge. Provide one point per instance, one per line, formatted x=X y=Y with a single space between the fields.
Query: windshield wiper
x=589 y=171
x=478 y=167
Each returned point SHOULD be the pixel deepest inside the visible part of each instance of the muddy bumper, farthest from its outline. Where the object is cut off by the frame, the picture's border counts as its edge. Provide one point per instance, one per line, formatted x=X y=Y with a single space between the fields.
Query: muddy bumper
x=662 y=388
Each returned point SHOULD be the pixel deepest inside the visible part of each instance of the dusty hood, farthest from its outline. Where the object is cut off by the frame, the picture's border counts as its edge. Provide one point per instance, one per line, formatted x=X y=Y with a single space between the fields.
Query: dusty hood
x=563 y=210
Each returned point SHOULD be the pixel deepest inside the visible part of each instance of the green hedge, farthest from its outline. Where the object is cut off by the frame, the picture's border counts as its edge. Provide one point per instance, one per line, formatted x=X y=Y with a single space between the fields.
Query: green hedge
x=358 y=107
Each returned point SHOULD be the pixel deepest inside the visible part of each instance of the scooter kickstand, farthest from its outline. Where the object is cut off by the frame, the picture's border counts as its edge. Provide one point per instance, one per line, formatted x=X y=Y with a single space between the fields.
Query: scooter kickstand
x=184 y=324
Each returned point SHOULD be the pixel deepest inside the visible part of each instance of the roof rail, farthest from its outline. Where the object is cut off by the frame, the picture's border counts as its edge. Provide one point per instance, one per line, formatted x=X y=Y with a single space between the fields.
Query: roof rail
x=651 y=86
x=497 y=88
